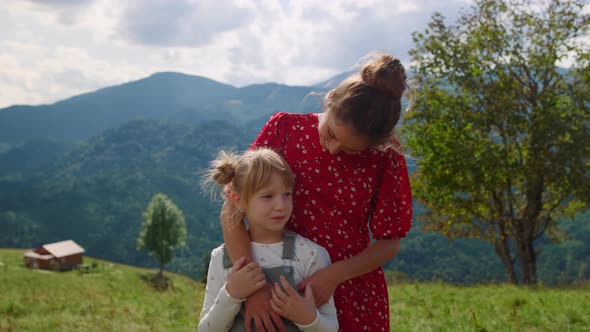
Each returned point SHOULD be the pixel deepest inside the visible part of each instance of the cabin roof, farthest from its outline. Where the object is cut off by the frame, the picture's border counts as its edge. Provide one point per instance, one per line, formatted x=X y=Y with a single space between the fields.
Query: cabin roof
x=63 y=248
x=32 y=254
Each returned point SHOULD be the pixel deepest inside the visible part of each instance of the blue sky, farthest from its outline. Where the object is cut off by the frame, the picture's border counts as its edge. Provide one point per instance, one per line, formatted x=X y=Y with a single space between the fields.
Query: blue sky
x=54 y=49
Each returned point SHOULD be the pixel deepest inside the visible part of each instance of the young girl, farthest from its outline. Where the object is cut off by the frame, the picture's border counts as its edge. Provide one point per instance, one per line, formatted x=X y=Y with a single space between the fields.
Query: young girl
x=260 y=183
x=352 y=182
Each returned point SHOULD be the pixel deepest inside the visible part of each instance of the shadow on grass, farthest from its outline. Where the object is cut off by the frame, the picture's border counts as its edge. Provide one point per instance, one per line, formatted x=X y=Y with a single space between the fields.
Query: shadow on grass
x=157 y=281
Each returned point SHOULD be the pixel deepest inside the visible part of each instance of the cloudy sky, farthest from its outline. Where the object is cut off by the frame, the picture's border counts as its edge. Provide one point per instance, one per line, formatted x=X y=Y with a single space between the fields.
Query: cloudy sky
x=54 y=49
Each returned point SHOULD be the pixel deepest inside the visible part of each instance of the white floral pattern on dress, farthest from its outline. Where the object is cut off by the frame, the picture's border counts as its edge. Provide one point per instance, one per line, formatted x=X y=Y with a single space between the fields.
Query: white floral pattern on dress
x=335 y=197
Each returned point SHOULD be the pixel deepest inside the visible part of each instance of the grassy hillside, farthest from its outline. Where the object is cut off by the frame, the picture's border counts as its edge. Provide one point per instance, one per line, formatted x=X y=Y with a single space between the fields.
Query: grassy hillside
x=115 y=298
x=111 y=297
x=442 y=307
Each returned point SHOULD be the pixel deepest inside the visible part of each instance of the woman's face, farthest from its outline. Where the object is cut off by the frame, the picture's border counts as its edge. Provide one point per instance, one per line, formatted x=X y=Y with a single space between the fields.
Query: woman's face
x=336 y=136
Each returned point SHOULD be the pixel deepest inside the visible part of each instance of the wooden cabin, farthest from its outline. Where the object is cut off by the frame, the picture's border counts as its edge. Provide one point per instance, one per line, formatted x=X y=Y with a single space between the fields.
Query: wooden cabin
x=58 y=256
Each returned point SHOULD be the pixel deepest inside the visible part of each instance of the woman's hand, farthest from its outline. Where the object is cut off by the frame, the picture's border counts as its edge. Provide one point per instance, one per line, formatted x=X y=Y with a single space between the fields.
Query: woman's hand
x=289 y=304
x=244 y=279
x=257 y=308
x=323 y=283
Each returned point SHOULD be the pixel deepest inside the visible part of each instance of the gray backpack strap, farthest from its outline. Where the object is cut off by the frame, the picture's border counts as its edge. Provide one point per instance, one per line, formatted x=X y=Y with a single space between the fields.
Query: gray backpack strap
x=289 y=245
x=226 y=260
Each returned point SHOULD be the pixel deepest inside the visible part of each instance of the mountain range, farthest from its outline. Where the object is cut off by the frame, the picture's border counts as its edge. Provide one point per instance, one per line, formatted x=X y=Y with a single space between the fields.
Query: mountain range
x=166 y=96
x=86 y=167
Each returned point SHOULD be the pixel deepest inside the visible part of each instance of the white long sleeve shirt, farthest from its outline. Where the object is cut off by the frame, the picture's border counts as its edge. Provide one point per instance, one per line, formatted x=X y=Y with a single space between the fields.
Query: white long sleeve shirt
x=220 y=309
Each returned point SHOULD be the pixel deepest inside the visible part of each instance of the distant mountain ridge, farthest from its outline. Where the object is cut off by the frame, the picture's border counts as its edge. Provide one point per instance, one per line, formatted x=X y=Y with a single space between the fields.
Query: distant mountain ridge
x=86 y=167
x=166 y=96
x=96 y=192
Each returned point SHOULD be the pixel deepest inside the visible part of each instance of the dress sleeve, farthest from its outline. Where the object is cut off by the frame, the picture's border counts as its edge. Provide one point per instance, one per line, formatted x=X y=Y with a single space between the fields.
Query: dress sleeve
x=273 y=134
x=392 y=216
x=219 y=308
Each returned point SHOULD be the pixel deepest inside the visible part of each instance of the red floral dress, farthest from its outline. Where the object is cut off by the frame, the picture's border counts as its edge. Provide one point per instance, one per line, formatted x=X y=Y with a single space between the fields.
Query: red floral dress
x=337 y=199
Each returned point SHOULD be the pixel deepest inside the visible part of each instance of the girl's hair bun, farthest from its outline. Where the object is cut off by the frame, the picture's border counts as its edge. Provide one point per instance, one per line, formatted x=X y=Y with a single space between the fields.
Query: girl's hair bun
x=224 y=168
x=386 y=74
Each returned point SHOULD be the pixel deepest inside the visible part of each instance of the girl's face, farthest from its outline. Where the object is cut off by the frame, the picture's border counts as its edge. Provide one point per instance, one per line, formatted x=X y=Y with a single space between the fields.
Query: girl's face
x=336 y=136
x=268 y=210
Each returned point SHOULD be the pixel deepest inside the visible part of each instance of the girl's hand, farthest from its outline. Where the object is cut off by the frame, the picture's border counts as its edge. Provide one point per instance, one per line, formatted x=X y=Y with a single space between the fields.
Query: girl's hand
x=244 y=279
x=323 y=283
x=289 y=304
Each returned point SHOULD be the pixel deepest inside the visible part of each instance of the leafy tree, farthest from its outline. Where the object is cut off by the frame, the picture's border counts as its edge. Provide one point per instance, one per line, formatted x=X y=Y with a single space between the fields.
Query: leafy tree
x=502 y=134
x=164 y=229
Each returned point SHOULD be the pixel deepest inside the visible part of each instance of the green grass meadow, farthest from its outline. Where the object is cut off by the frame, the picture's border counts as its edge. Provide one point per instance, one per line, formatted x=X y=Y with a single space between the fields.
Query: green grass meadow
x=113 y=297
x=443 y=307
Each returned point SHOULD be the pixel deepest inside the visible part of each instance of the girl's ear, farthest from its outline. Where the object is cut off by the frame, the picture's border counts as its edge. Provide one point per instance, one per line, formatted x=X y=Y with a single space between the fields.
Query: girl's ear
x=329 y=97
x=235 y=198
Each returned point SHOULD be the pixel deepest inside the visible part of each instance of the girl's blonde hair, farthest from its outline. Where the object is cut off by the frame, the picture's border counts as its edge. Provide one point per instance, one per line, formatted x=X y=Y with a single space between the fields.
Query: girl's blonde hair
x=247 y=173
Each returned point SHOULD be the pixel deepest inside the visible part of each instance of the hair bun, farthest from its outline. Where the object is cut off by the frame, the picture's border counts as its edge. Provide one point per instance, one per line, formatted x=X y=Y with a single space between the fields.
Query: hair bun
x=224 y=168
x=225 y=173
x=386 y=74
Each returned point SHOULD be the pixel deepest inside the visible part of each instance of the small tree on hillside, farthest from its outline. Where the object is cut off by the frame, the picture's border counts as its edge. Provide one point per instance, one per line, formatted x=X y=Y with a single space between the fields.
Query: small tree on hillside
x=502 y=134
x=164 y=229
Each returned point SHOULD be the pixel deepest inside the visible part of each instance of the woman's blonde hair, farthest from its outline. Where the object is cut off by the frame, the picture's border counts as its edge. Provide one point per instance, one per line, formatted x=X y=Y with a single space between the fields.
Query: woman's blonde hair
x=247 y=173
x=371 y=100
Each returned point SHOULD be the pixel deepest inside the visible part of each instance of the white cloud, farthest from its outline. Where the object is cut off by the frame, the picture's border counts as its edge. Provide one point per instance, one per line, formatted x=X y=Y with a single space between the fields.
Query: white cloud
x=61 y=72
x=187 y=23
x=55 y=49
